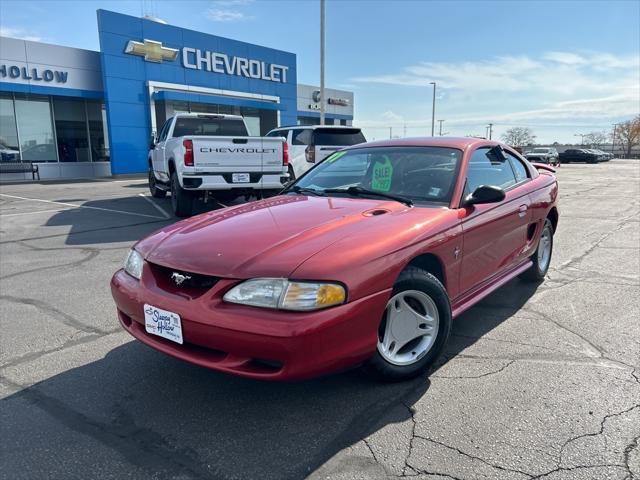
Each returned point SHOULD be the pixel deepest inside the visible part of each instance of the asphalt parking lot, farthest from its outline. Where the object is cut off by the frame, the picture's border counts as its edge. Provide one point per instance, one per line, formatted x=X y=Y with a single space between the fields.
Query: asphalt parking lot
x=536 y=382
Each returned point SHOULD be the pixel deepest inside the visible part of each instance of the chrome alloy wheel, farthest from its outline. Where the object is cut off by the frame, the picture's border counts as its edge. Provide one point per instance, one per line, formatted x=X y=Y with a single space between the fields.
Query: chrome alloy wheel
x=544 y=250
x=409 y=327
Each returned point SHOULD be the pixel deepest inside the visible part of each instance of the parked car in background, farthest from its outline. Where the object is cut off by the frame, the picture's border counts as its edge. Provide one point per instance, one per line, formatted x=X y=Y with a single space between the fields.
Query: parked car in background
x=546 y=155
x=196 y=154
x=602 y=155
x=579 y=155
x=366 y=259
x=9 y=153
x=309 y=145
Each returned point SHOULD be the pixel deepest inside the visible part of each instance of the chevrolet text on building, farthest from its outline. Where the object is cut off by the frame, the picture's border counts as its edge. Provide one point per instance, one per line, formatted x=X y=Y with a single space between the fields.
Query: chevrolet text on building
x=145 y=73
x=222 y=63
x=215 y=62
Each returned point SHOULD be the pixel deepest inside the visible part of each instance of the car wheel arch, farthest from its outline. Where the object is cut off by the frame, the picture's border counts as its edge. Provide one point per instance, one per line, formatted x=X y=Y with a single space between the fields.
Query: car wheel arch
x=553 y=217
x=430 y=263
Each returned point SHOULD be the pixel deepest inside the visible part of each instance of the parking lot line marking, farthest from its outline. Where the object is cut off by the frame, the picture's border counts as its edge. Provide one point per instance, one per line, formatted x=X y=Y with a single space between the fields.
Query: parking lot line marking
x=33 y=213
x=81 y=206
x=155 y=205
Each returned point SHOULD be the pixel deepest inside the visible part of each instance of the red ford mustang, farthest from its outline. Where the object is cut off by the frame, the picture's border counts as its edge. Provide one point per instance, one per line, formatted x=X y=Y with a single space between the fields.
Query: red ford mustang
x=365 y=259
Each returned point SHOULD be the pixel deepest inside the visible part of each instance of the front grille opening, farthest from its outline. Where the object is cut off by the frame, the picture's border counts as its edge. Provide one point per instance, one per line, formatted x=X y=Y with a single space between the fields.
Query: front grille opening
x=178 y=280
x=267 y=366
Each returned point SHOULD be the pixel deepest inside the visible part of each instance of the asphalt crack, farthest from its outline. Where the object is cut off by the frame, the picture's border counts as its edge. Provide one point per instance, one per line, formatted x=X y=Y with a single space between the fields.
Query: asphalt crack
x=141 y=447
x=487 y=374
x=57 y=314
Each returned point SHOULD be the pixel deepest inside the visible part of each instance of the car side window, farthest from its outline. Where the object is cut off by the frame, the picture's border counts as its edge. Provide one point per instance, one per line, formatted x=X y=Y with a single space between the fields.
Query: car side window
x=165 y=130
x=278 y=133
x=485 y=168
x=301 y=137
x=522 y=174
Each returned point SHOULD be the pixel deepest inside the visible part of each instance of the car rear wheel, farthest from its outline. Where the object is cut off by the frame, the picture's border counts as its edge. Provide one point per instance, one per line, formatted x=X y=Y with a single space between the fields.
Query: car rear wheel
x=414 y=329
x=542 y=256
x=153 y=186
x=181 y=199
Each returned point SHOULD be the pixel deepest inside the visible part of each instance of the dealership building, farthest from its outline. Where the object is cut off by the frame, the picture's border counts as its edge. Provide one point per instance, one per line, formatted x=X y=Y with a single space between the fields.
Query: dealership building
x=79 y=113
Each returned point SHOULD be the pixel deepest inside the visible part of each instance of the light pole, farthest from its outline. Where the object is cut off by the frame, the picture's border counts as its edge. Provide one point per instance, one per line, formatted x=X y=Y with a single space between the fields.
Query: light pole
x=490 y=130
x=613 y=138
x=581 y=135
x=433 y=109
x=322 y=102
x=440 y=122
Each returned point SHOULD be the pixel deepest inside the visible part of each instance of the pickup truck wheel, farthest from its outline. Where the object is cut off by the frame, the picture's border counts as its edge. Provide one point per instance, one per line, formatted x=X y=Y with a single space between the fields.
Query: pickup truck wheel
x=542 y=256
x=181 y=200
x=414 y=329
x=153 y=187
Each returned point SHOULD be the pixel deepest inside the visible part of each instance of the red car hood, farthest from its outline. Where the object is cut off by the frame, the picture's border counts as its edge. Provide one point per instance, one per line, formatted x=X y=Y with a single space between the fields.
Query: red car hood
x=267 y=238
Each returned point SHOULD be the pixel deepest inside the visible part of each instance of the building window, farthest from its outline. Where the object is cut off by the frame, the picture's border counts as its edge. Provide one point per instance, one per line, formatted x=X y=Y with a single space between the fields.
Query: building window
x=98 y=136
x=70 y=118
x=35 y=129
x=9 y=146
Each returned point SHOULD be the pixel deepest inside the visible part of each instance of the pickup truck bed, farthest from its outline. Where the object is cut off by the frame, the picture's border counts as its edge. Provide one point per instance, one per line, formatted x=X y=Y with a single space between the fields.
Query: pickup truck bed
x=198 y=163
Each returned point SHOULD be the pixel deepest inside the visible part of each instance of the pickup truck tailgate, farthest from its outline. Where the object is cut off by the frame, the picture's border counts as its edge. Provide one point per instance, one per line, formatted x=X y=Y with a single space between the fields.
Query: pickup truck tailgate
x=232 y=153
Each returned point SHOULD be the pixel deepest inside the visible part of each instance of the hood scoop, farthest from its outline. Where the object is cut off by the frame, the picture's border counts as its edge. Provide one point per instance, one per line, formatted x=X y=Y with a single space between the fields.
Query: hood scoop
x=375 y=212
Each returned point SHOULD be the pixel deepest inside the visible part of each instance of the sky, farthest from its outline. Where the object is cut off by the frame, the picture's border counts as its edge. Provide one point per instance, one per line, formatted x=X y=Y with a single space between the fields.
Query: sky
x=561 y=68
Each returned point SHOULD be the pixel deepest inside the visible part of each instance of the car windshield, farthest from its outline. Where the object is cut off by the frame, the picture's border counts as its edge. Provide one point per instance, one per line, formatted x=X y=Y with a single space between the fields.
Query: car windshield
x=338 y=137
x=218 y=127
x=420 y=174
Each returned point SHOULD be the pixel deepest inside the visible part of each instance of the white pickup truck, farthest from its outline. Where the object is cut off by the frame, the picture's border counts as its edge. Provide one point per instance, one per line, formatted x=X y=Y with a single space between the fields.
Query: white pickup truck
x=201 y=154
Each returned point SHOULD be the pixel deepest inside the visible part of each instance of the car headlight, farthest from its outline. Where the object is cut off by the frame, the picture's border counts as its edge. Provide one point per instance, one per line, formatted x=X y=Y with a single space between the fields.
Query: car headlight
x=133 y=264
x=287 y=294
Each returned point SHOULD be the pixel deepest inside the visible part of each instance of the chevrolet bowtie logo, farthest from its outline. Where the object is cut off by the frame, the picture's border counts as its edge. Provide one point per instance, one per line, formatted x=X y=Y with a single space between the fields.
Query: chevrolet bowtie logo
x=151 y=50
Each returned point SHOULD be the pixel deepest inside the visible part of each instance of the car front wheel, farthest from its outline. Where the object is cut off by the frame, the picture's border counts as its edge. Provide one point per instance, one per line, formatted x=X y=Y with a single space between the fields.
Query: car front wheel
x=153 y=186
x=414 y=329
x=181 y=199
x=542 y=257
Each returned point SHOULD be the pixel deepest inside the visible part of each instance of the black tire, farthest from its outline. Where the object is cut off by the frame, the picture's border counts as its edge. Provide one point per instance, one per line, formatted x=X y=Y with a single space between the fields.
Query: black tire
x=224 y=196
x=536 y=274
x=153 y=186
x=181 y=199
x=292 y=174
x=269 y=193
x=413 y=278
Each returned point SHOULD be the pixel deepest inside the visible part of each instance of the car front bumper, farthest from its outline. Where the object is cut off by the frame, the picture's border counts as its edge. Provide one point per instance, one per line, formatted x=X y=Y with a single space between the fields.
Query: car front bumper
x=253 y=342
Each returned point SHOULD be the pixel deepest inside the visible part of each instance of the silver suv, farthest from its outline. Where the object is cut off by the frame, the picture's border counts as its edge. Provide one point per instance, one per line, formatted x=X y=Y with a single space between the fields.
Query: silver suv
x=543 y=155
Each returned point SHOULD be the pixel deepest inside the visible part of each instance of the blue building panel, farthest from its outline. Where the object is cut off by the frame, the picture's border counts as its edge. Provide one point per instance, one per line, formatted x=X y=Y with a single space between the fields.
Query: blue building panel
x=126 y=77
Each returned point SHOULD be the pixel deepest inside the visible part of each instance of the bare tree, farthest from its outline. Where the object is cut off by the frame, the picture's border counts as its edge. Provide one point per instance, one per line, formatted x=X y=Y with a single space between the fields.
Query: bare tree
x=595 y=139
x=518 y=136
x=627 y=135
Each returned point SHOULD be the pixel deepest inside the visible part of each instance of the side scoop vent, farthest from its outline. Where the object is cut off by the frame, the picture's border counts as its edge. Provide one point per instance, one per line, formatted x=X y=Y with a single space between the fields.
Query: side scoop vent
x=375 y=212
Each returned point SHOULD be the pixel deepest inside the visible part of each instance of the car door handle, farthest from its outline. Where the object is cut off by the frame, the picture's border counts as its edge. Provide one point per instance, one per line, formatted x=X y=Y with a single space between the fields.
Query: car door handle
x=522 y=211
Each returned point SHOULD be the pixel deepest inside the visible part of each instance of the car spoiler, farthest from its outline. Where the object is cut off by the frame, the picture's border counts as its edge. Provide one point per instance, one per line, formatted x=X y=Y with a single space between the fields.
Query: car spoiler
x=544 y=166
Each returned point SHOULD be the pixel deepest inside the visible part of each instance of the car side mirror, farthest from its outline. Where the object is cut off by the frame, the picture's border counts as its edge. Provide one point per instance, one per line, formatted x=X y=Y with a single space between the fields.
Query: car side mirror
x=152 y=142
x=485 y=194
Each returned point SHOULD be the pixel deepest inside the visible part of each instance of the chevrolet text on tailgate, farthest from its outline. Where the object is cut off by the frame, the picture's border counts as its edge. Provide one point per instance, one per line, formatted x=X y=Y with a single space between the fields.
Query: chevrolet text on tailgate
x=198 y=154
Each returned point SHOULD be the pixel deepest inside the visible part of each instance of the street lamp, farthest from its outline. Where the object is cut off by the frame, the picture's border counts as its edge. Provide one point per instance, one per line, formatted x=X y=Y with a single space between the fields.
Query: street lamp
x=322 y=102
x=581 y=135
x=440 y=122
x=433 y=109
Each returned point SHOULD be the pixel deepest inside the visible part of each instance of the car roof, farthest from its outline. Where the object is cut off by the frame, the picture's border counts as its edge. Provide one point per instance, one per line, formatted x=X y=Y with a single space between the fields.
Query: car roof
x=314 y=127
x=213 y=115
x=461 y=143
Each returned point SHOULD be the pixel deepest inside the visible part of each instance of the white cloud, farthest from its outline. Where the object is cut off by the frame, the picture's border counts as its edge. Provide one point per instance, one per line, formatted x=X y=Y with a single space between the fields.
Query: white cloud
x=554 y=88
x=19 y=33
x=392 y=117
x=227 y=11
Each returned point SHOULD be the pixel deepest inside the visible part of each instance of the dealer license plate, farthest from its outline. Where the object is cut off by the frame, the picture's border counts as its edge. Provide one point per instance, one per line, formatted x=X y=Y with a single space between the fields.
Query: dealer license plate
x=162 y=323
x=240 y=178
